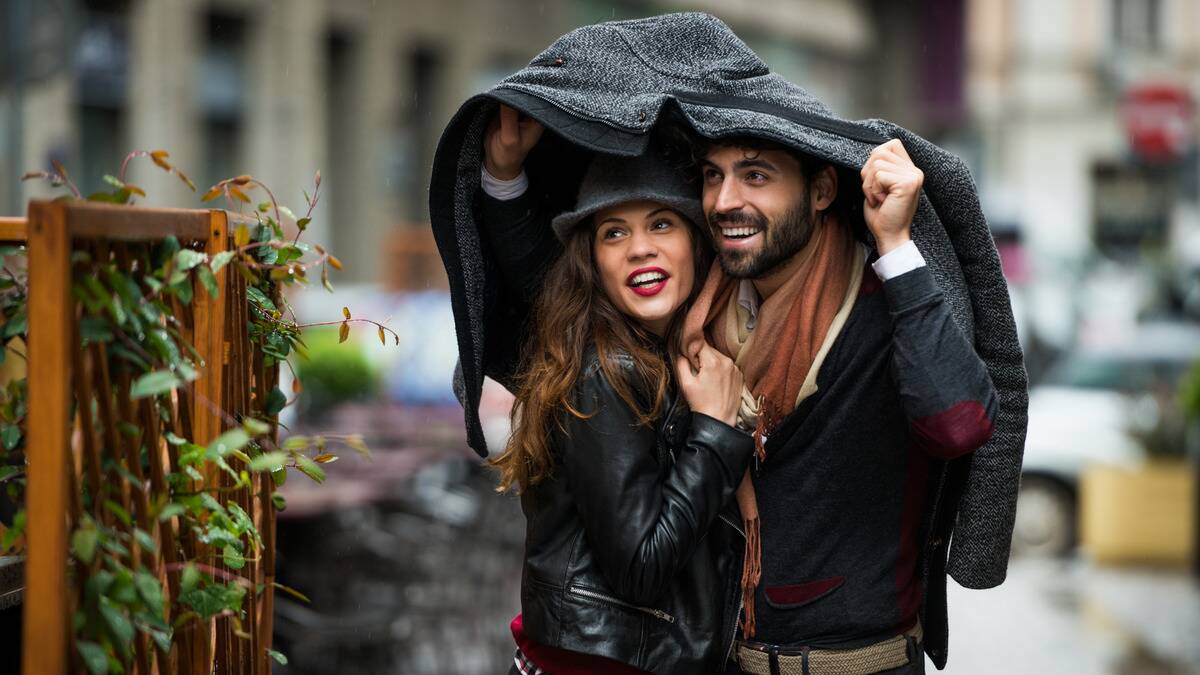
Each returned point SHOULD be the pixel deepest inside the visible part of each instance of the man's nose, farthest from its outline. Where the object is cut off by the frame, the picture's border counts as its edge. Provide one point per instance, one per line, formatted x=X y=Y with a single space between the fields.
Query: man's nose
x=728 y=197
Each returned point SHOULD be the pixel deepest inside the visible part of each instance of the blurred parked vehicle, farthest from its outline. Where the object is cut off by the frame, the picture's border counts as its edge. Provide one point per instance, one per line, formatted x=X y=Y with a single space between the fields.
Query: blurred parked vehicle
x=1099 y=403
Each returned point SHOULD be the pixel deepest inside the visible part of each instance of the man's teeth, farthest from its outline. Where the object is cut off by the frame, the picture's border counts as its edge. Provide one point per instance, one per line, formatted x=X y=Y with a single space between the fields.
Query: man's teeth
x=738 y=232
x=647 y=278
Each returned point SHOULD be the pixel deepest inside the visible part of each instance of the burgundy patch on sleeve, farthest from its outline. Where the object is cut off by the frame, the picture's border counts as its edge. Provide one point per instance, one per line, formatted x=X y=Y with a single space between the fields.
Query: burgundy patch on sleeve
x=960 y=429
x=794 y=595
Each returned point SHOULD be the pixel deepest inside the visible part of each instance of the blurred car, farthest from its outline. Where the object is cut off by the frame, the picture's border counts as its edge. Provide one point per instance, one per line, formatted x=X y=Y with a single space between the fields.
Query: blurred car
x=1086 y=410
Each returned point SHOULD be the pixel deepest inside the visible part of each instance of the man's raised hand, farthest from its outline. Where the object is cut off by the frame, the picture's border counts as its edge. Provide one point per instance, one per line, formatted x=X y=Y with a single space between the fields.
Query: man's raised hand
x=510 y=136
x=892 y=186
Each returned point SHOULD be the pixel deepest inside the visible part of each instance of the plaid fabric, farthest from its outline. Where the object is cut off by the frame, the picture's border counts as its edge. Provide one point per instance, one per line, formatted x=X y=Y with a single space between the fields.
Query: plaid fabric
x=524 y=666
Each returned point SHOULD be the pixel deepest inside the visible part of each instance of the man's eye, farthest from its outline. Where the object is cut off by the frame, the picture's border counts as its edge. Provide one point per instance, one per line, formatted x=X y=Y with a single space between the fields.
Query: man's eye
x=712 y=175
x=756 y=176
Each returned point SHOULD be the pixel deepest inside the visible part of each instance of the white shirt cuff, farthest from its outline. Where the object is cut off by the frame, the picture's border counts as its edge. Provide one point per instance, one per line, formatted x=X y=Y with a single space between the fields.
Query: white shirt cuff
x=904 y=258
x=504 y=190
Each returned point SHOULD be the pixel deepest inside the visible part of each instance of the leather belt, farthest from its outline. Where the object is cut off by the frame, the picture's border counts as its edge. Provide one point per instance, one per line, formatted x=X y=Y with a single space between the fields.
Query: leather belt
x=762 y=659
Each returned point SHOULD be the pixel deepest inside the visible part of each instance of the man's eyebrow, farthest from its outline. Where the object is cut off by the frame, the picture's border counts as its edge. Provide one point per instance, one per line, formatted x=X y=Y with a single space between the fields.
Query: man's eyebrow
x=755 y=163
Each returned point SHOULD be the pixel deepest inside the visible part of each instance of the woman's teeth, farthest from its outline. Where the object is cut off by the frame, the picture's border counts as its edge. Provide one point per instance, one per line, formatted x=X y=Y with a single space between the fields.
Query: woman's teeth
x=647 y=278
x=738 y=232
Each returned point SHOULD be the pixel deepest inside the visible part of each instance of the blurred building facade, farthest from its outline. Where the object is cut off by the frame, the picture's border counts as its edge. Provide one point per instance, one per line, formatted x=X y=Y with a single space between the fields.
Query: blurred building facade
x=361 y=89
x=1082 y=134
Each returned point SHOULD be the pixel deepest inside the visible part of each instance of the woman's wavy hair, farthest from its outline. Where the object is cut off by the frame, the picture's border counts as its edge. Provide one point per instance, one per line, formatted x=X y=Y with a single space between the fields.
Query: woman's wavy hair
x=571 y=312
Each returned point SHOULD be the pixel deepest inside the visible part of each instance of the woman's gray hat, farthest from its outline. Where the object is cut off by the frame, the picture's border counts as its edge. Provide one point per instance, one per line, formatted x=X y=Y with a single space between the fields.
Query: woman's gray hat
x=612 y=180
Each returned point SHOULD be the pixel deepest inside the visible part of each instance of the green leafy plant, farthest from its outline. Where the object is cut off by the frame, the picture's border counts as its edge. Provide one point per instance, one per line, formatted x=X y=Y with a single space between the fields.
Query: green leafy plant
x=130 y=330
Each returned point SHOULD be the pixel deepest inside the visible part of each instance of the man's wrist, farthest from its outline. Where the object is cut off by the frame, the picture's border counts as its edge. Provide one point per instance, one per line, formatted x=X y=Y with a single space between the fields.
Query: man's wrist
x=903 y=258
x=887 y=244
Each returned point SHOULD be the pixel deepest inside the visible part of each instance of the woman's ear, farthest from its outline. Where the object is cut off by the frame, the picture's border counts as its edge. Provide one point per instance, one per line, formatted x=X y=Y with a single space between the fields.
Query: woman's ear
x=823 y=187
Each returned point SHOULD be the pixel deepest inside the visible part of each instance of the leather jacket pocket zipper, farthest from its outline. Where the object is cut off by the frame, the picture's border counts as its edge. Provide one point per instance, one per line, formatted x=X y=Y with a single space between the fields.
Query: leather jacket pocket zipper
x=588 y=593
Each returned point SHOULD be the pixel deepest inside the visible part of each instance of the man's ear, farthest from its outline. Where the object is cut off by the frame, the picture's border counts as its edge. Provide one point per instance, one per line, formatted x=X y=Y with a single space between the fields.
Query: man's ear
x=823 y=187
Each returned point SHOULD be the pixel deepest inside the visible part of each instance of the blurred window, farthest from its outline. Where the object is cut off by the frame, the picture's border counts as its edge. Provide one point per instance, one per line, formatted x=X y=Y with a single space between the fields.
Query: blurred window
x=221 y=95
x=1136 y=24
x=101 y=62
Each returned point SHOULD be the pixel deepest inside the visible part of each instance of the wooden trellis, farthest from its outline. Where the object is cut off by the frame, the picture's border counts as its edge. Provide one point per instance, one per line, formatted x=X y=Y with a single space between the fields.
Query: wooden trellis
x=75 y=410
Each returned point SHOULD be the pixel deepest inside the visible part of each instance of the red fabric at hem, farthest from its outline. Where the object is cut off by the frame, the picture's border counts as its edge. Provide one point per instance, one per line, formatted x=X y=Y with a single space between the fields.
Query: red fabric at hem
x=566 y=662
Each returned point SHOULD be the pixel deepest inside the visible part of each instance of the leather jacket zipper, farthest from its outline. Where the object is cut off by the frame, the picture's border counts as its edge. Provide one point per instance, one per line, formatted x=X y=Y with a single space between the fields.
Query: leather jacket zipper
x=738 y=615
x=587 y=593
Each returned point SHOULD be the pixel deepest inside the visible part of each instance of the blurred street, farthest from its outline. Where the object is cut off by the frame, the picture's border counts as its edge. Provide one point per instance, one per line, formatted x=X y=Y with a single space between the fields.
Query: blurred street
x=1070 y=616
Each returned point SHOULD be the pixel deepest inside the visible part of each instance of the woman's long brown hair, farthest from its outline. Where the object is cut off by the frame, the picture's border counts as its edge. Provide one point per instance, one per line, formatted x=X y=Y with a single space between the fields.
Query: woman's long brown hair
x=571 y=312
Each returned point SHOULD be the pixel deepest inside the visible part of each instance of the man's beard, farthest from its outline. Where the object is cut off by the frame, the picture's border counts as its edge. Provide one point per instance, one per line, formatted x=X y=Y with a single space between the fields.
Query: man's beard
x=782 y=240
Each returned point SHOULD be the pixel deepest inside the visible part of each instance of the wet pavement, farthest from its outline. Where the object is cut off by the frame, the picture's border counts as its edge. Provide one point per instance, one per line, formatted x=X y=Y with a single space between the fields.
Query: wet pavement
x=1074 y=617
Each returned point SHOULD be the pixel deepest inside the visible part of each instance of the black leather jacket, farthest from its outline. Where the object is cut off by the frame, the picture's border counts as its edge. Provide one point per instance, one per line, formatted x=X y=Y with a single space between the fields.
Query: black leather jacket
x=628 y=553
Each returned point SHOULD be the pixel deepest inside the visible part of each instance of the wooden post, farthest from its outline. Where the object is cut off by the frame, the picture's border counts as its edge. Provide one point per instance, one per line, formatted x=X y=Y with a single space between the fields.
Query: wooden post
x=45 y=641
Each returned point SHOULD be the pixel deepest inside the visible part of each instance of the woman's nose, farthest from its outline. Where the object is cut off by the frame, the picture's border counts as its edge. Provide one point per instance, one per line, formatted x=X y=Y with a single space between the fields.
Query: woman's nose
x=641 y=245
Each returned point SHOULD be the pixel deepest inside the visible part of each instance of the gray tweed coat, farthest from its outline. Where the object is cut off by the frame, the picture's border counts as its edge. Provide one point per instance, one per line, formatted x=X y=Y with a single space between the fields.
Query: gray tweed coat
x=603 y=87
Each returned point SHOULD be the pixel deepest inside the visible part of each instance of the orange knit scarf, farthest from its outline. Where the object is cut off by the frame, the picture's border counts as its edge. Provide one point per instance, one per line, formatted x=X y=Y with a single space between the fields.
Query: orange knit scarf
x=776 y=357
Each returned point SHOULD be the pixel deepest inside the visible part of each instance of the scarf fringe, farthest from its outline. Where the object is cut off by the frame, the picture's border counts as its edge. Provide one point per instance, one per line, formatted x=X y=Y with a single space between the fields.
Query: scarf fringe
x=751 y=575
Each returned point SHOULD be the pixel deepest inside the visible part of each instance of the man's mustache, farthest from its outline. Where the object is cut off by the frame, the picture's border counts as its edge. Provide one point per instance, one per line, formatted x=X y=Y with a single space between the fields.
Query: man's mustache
x=739 y=217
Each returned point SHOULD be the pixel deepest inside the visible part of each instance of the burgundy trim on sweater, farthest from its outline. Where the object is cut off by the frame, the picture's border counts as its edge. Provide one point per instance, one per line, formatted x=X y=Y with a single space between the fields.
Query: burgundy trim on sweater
x=909 y=588
x=564 y=661
x=959 y=429
x=794 y=595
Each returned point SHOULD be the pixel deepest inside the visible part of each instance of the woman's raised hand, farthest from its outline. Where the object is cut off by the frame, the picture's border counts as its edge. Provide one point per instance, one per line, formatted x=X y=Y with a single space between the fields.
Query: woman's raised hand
x=509 y=138
x=716 y=389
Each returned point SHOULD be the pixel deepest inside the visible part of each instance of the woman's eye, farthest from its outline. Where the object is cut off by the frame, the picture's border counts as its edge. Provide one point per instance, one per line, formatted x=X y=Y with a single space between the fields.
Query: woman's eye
x=660 y=224
x=612 y=233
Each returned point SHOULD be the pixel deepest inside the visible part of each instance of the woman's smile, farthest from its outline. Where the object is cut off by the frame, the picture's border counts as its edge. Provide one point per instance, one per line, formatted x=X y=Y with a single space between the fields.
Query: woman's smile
x=647 y=281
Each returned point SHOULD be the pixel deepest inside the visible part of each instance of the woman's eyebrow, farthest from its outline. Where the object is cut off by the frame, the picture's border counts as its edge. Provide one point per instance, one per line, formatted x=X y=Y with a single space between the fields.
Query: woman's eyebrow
x=610 y=219
x=657 y=211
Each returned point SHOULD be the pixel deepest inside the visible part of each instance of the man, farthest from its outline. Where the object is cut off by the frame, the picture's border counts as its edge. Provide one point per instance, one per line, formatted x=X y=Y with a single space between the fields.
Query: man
x=863 y=385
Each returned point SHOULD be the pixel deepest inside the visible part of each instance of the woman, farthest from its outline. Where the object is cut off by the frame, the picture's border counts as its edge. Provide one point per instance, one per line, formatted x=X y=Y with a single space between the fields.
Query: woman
x=626 y=569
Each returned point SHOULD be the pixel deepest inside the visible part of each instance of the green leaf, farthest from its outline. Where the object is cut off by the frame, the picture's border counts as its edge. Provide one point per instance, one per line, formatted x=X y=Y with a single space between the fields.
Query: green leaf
x=171 y=510
x=302 y=224
x=115 y=620
x=118 y=511
x=187 y=258
x=152 y=384
x=279 y=501
x=220 y=260
x=145 y=540
x=279 y=658
x=274 y=403
x=17 y=325
x=208 y=280
x=10 y=435
x=83 y=544
x=94 y=657
x=234 y=439
x=173 y=439
x=189 y=578
x=94 y=329
x=8 y=471
x=213 y=599
x=268 y=461
x=255 y=427
x=310 y=468
x=259 y=298
x=292 y=592
x=149 y=588
x=234 y=559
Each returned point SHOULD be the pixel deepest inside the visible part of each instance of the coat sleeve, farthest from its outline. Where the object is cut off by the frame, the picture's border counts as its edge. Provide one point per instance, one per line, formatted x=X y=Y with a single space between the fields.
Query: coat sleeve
x=521 y=240
x=643 y=524
x=947 y=394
